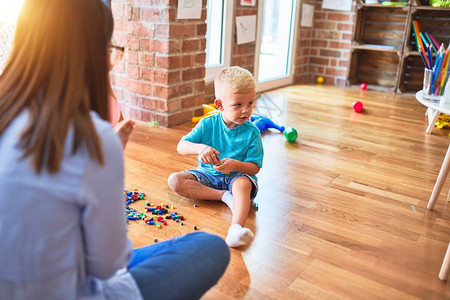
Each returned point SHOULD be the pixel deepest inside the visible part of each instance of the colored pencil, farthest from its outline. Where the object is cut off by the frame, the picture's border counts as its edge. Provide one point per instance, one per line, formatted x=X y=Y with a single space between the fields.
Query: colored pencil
x=424 y=60
x=430 y=41
x=441 y=73
x=430 y=57
x=424 y=40
x=437 y=65
x=434 y=40
x=445 y=72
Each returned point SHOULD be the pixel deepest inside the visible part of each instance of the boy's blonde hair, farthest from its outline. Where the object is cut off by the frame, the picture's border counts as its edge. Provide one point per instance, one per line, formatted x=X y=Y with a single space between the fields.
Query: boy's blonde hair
x=235 y=80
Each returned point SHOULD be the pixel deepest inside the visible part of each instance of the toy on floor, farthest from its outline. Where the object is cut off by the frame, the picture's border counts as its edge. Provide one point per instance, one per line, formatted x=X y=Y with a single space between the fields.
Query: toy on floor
x=290 y=134
x=363 y=86
x=357 y=106
x=320 y=80
x=264 y=123
x=208 y=110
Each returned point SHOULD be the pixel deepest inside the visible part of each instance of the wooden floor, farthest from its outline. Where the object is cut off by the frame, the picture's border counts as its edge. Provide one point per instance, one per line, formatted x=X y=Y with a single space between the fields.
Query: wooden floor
x=342 y=212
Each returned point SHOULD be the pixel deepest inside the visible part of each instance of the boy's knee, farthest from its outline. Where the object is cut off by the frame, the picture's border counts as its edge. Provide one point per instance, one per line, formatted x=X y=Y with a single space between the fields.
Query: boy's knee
x=242 y=183
x=173 y=181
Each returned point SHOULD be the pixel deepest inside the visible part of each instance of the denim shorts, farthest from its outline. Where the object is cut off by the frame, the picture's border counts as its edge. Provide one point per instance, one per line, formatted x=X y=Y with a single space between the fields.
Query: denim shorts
x=223 y=182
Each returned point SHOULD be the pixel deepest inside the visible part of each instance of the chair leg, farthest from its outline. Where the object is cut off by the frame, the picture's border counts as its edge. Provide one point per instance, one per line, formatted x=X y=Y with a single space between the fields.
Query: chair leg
x=445 y=268
x=440 y=180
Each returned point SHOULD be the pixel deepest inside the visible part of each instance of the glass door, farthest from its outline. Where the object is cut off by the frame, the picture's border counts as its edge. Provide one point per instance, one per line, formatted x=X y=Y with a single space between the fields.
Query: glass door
x=275 y=43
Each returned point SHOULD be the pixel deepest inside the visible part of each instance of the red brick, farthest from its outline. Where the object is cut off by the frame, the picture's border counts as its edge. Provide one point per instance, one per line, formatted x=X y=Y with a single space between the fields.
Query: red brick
x=199 y=87
x=151 y=14
x=132 y=57
x=327 y=34
x=194 y=73
x=174 y=62
x=166 y=77
x=133 y=86
x=190 y=45
x=133 y=71
x=333 y=62
x=338 y=16
x=182 y=30
x=200 y=59
x=136 y=101
x=346 y=36
x=147 y=59
x=178 y=118
x=162 y=30
x=147 y=74
x=320 y=16
x=338 y=45
x=319 y=61
x=117 y=10
x=147 y=116
x=324 y=25
x=344 y=27
x=133 y=43
x=330 y=53
x=154 y=104
x=319 y=43
x=173 y=105
x=145 y=88
x=201 y=29
x=167 y=46
x=344 y=63
x=120 y=25
x=192 y=101
x=147 y=45
x=336 y=72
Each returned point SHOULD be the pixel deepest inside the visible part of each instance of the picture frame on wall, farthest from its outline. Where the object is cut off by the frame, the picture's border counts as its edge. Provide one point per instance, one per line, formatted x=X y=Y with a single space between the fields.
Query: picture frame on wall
x=248 y=2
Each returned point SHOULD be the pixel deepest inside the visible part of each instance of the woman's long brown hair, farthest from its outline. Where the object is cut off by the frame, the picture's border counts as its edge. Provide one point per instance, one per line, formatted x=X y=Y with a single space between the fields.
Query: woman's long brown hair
x=58 y=71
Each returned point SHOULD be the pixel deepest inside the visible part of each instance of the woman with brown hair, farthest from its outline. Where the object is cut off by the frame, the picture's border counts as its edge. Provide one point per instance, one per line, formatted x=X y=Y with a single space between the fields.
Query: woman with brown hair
x=62 y=223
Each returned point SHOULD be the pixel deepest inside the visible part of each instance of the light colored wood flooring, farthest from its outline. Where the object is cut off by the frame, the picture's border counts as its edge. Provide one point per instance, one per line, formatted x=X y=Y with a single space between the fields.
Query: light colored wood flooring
x=342 y=212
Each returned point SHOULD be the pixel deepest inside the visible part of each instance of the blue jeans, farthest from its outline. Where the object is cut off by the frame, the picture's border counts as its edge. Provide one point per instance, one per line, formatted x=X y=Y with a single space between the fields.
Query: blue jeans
x=184 y=267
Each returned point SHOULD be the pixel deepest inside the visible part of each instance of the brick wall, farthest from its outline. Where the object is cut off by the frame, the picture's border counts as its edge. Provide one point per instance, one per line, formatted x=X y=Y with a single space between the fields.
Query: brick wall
x=162 y=74
x=161 y=77
x=329 y=50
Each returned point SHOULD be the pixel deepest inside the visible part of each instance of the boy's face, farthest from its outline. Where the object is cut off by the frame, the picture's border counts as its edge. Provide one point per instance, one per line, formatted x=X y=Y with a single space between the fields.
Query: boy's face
x=236 y=108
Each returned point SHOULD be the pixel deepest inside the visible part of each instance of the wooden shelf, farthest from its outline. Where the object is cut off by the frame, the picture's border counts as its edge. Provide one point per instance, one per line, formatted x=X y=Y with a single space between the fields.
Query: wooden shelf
x=382 y=48
x=383 y=52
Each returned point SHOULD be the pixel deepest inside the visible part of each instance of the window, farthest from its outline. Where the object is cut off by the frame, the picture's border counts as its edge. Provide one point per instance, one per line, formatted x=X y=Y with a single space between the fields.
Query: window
x=218 y=36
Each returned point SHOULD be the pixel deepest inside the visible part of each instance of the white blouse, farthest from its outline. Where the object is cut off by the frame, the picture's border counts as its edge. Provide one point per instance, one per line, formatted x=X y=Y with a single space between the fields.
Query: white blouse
x=62 y=235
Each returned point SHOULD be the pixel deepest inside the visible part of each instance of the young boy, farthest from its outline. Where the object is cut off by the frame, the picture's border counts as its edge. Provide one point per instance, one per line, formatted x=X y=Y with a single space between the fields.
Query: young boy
x=230 y=153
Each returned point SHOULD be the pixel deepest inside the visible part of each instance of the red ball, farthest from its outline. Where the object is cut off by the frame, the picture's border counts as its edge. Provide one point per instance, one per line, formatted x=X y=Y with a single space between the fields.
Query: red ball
x=363 y=86
x=357 y=106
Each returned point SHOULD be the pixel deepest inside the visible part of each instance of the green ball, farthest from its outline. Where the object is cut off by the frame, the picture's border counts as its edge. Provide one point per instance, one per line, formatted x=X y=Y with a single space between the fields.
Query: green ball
x=290 y=134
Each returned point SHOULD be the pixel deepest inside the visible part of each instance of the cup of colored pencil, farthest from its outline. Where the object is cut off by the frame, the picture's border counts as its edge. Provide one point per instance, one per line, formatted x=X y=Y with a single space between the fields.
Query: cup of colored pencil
x=435 y=76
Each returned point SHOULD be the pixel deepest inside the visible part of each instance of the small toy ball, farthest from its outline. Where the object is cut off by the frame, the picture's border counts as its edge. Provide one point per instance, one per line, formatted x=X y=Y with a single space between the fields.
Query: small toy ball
x=363 y=86
x=357 y=106
x=290 y=134
x=320 y=80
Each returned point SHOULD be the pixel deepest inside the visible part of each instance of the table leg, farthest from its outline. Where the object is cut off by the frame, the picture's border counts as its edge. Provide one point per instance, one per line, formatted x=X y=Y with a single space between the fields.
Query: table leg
x=431 y=121
x=445 y=268
x=440 y=180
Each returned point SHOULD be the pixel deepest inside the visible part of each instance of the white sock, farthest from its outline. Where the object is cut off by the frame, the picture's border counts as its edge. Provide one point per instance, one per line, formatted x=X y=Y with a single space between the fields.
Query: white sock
x=227 y=197
x=239 y=236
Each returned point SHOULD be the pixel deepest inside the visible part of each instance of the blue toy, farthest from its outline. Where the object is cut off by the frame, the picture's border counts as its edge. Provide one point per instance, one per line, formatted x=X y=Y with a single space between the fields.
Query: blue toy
x=264 y=123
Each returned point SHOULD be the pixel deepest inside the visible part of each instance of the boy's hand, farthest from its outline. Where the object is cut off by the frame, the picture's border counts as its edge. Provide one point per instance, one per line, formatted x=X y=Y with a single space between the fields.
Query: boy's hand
x=227 y=165
x=209 y=155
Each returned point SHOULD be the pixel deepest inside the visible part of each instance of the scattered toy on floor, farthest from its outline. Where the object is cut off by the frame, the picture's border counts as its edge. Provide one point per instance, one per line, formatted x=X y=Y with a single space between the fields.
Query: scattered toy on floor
x=264 y=123
x=208 y=110
x=363 y=86
x=290 y=134
x=357 y=106
x=320 y=80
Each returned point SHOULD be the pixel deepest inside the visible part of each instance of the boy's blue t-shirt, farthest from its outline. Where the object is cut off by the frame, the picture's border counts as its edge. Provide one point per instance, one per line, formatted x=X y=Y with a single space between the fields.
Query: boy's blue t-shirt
x=241 y=143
